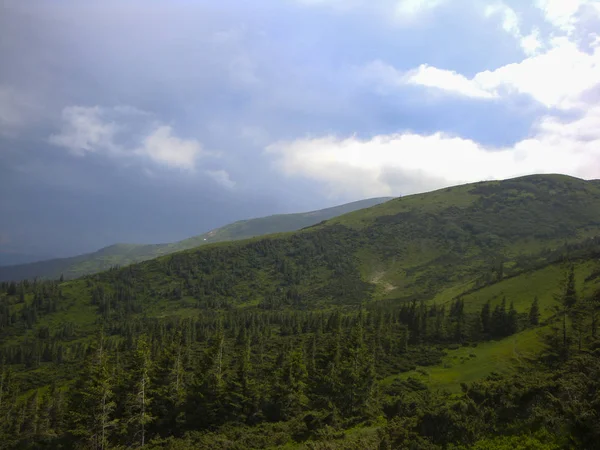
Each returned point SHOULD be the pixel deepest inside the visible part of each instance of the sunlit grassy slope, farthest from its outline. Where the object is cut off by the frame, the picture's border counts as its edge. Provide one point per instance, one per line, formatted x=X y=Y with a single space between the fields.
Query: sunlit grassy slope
x=437 y=246
x=480 y=242
x=468 y=364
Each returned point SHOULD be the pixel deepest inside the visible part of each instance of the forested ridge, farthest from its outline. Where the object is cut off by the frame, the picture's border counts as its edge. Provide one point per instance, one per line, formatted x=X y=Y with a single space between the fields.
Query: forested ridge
x=304 y=340
x=124 y=254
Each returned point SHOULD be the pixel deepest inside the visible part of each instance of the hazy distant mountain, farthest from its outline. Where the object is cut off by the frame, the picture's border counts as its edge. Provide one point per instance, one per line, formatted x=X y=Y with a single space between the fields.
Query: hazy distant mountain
x=123 y=254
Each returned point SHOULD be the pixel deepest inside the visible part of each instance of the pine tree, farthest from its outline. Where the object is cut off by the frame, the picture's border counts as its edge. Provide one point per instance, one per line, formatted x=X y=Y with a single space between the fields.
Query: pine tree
x=486 y=318
x=439 y=328
x=594 y=313
x=139 y=397
x=289 y=395
x=458 y=312
x=207 y=399
x=10 y=417
x=243 y=393
x=499 y=320
x=512 y=320
x=30 y=425
x=358 y=374
x=534 y=312
x=170 y=385
x=569 y=300
x=92 y=404
x=56 y=412
x=570 y=293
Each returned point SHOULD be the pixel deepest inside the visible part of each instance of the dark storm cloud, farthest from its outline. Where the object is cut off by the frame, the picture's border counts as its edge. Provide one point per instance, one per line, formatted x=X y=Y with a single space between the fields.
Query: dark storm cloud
x=223 y=79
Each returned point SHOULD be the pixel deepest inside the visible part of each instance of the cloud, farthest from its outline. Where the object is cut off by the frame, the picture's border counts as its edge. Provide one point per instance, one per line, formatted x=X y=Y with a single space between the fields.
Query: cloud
x=531 y=43
x=562 y=14
x=85 y=129
x=448 y=80
x=222 y=178
x=164 y=148
x=406 y=163
x=511 y=23
x=558 y=78
x=400 y=11
x=564 y=77
x=385 y=76
x=412 y=8
x=510 y=19
x=107 y=131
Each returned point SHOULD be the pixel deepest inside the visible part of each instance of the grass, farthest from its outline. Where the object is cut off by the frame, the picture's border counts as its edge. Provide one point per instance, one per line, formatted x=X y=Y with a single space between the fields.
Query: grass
x=522 y=289
x=468 y=364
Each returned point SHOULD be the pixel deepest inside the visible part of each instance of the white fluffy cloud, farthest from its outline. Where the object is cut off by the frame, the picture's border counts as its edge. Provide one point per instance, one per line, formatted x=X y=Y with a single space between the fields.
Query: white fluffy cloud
x=99 y=130
x=411 y=8
x=562 y=14
x=222 y=178
x=511 y=23
x=563 y=77
x=450 y=81
x=382 y=75
x=556 y=73
x=407 y=163
x=85 y=130
x=164 y=148
x=557 y=78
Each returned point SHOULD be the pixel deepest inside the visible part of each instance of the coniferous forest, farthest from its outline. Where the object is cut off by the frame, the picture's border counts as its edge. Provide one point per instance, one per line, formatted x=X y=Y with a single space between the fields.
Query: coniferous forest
x=329 y=338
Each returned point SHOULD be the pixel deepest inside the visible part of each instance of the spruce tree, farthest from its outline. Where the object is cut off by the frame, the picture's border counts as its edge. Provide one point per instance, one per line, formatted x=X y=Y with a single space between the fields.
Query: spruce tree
x=534 y=312
x=498 y=320
x=243 y=396
x=139 y=395
x=569 y=300
x=594 y=313
x=169 y=384
x=512 y=320
x=92 y=403
x=486 y=318
x=289 y=394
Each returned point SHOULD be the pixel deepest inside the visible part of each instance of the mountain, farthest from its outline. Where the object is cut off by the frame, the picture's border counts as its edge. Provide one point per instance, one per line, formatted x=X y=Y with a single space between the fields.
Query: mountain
x=421 y=246
x=432 y=246
x=338 y=335
x=11 y=258
x=124 y=254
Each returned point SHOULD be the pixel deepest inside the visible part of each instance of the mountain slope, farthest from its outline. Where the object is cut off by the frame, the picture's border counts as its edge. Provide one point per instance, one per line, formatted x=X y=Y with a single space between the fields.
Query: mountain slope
x=438 y=245
x=464 y=242
x=124 y=254
x=292 y=335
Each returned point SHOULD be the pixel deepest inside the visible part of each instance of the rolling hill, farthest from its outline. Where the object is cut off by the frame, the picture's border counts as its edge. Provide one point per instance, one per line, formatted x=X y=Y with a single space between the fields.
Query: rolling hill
x=462 y=242
x=345 y=334
x=433 y=245
x=124 y=254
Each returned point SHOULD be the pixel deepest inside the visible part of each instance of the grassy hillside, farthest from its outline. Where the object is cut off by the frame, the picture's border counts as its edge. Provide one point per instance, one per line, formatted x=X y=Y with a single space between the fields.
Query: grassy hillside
x=124 y=254
x=476 y=242
x=339 y=335
x=434 y=245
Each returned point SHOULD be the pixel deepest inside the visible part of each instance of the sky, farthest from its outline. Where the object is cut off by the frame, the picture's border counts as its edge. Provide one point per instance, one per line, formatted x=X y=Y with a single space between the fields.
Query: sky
x=152 y=121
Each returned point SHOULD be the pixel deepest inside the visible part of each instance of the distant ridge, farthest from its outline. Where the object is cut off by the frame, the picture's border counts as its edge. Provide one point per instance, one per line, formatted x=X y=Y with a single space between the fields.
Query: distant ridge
x=125 y=254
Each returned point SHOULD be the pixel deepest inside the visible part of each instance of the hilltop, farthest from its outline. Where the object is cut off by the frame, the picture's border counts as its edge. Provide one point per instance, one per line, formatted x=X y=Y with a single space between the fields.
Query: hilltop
x=423 y=246
x=124 y=254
